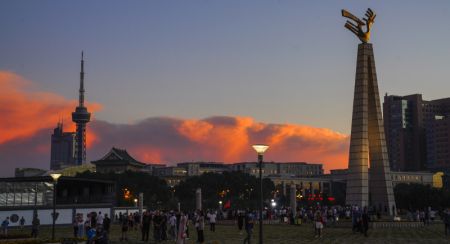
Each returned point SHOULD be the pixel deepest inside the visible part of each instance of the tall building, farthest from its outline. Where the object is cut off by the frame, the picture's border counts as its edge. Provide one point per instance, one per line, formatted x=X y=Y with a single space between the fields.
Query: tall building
x=437 y=134
x=417 y=132
x=62 y=148
x=405 y=132
x=81 y=117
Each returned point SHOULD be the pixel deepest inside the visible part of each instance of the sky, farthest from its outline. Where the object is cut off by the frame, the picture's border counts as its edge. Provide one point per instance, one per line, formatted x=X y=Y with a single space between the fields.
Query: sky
x=203 y=79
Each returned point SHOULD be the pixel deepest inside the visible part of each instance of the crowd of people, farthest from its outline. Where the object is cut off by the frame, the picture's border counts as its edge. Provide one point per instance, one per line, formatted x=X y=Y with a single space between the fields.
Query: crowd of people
x=174 y=225
x=167 y=225
x=95 y=227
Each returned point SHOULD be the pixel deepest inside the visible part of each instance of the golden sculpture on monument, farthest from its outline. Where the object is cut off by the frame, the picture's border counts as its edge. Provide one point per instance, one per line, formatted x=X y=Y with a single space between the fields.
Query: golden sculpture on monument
x=357 y=27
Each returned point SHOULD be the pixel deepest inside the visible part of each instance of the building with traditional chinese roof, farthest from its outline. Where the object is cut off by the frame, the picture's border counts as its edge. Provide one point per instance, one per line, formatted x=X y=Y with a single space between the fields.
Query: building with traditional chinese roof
x=117 y=161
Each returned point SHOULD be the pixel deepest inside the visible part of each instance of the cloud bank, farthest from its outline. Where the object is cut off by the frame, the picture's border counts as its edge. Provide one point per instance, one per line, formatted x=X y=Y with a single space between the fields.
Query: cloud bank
x=28 y=117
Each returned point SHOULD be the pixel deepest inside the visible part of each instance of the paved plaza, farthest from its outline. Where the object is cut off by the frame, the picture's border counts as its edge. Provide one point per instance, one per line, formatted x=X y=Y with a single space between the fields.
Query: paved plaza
x=277 y=233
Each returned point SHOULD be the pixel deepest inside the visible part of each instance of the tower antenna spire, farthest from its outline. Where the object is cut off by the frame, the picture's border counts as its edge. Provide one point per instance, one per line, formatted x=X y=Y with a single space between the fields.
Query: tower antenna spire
x=81 y=117
x=81 y=91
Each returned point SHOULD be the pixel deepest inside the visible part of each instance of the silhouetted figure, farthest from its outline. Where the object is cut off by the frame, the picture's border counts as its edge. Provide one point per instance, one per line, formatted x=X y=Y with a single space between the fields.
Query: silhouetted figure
x=240 y=221
x=365 y=221
x=248 y=227
x=35 y=223
x=146 y=221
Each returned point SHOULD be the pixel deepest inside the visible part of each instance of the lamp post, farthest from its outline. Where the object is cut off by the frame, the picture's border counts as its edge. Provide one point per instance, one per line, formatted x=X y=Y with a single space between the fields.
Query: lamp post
x=55 y=177
x=260 y=149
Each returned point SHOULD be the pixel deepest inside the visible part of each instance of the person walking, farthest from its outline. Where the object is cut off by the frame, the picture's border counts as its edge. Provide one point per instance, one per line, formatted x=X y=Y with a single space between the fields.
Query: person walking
x=5 y=225
x=240 y=221
x=173 y=226
x=106 y=223
x=87 y=223
x=91 y=234
x=75 y=228
x=181 y=236
x=318 y=222
x=80 y=222
x=212 y=221
x=157 y=221
x=35 y=223
x=200 y=223
x=365 y=221
x=22 y=222
x=249 y=220
x=99 y=220
x=447 y=221
x=125 y=225
x=163 y=226
x=146 y=220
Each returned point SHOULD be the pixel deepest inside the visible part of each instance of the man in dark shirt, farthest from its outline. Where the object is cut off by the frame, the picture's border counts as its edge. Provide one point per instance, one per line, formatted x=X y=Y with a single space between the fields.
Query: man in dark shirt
x=248 y=227
x=157 y=221
x=365 y=221
x=35 y=226
x=146 y=220
x=447 y=221
x=240 y=221
x=106 y=223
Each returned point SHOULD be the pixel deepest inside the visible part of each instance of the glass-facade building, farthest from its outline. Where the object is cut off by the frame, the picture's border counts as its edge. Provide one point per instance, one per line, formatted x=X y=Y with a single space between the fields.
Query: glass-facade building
x=16 y=194
x=25 y=192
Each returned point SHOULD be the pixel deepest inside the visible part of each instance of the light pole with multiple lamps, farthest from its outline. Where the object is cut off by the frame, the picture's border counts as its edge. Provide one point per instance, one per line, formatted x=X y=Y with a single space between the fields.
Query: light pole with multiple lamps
x=260 y=149
x=55 y=177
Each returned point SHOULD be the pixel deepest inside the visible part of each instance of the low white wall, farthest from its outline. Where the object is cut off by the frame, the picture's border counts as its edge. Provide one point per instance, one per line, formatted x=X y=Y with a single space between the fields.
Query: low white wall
x=64 y=217
x=45 y=215
x=27 y=215
x=85 y=211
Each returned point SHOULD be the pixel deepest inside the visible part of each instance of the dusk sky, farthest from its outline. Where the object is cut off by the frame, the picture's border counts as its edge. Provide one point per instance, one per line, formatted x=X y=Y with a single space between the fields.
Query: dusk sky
x=176 y=81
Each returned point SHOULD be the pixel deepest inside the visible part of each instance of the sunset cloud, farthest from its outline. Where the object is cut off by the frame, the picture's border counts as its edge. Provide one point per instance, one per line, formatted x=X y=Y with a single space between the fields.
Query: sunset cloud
x=28 y=117
x=25 y=111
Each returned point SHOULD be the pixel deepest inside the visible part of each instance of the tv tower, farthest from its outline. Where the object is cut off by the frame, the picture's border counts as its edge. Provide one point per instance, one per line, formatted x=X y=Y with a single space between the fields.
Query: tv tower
x=81 y=117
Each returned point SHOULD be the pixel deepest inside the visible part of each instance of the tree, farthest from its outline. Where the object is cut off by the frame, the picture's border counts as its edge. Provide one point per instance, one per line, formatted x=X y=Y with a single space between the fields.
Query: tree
x=129 y=184
x=241 y=189
x=417 y=196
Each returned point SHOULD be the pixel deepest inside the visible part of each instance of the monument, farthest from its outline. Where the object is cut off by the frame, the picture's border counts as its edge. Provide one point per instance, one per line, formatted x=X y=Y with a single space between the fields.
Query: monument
x=367 y=139
x=198 y=199
x=293 y=199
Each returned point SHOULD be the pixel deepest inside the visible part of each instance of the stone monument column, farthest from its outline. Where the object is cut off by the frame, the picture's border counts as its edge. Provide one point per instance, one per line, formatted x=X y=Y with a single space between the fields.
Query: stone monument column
x=293 y=199
x=367 y=139
x=198 y=199
x=357 y=174
x=141 y=204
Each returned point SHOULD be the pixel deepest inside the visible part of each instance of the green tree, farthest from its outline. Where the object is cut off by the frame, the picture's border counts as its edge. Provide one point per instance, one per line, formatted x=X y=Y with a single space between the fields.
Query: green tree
x=417 y=196
x=241 y=189
x=156 y=191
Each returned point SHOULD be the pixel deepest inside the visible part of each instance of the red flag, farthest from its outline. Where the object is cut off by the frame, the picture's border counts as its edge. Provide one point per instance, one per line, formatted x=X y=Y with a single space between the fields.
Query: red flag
x=227 y=204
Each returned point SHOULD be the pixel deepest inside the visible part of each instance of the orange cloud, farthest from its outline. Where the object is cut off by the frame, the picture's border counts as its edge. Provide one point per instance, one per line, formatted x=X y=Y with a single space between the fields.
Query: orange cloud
x=223 y=139
x=25 y=111
x=27 y=117
x=230 y=141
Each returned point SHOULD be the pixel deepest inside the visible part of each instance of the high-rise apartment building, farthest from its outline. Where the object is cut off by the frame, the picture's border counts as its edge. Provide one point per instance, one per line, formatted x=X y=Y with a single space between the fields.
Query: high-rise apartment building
x=62 y=148
x=417 y=132
x=437 y=130
x=405 y=134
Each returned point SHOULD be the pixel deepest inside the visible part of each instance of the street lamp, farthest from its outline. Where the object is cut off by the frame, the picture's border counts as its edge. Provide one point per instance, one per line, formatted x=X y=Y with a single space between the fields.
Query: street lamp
x=135 y=202
x=55 y=177
x=260 y=149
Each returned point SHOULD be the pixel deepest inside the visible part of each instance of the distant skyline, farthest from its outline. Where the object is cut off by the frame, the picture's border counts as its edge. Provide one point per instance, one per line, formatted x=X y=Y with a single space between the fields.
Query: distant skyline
x=285 y=63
